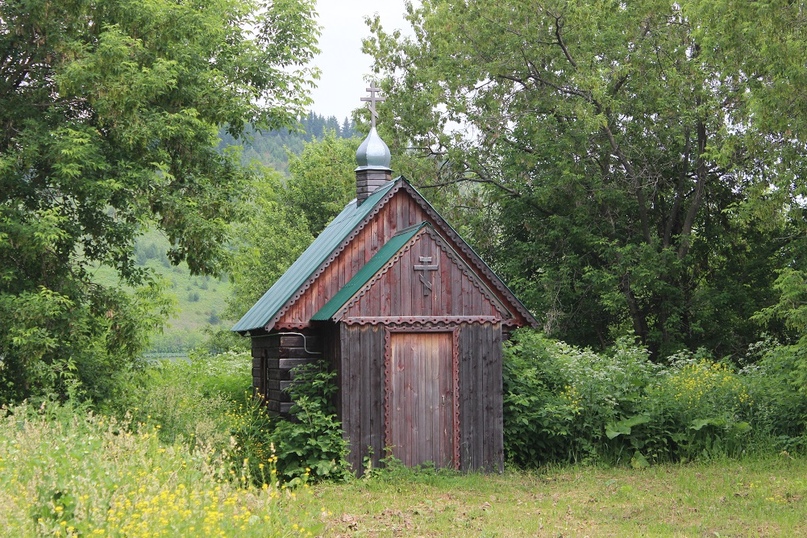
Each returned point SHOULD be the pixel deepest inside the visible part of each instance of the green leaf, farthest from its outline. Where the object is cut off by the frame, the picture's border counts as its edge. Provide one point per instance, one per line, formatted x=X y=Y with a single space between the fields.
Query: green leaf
x=623 y=427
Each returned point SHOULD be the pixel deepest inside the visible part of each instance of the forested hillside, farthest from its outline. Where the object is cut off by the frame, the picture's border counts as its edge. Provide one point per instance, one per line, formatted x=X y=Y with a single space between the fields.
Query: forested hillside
x=203 y=304
x=272 y=148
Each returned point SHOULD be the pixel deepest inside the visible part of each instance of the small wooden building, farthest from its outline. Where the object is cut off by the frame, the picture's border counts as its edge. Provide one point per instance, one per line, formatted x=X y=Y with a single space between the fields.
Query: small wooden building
x=407 y=314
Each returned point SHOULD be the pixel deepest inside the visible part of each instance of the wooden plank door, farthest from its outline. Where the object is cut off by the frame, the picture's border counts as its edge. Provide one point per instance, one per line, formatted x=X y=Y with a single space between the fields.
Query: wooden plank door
x=421 y=398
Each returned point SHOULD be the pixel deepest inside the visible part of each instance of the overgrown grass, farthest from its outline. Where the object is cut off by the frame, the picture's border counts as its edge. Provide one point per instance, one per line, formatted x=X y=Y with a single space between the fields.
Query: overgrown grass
x=67 y=472
x=189 y=454
x=749 y=497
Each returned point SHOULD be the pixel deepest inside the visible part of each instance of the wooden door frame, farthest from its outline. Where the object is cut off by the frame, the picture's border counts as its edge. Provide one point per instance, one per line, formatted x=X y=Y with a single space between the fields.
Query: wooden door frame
x=455 y=379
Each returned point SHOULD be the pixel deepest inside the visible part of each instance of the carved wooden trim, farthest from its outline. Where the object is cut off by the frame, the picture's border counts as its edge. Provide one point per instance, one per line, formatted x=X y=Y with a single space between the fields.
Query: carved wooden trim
x=455 y=372
x=421 y=322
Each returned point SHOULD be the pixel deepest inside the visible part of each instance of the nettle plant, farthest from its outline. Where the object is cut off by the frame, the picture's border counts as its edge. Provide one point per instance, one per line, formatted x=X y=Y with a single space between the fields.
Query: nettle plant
x=566 y=404
x=558 y=399
x=307 y=446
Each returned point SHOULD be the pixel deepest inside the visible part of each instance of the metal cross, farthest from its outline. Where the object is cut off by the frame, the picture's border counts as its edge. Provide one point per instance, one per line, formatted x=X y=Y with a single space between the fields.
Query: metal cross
x=373 y=99
x=426 y=265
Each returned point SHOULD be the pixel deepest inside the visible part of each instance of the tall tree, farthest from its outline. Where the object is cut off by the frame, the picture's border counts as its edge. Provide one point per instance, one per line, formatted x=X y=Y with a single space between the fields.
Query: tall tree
x=284 y=215
x=110 y=111
x=627 y=150
x=322 y=179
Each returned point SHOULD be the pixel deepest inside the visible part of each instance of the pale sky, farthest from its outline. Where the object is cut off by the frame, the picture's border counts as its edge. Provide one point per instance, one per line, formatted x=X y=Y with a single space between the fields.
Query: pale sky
x=342 y=64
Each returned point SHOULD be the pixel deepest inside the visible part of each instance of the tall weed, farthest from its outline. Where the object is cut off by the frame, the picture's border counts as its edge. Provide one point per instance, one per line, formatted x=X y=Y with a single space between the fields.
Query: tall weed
x=566 y=404
x=66 y=472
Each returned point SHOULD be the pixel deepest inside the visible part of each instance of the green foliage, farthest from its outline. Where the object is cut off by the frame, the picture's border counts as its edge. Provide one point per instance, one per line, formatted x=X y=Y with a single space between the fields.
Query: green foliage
x=67 y=472
x=206 y=401
x=111 y=111
x=54 y=345
x=281 y=217
x=563 y=403
x=310 y=445
x=313 y=443
x=628 y=177
x=185 y=400
x=269 y=239
x=558 y=399
x=322 y=180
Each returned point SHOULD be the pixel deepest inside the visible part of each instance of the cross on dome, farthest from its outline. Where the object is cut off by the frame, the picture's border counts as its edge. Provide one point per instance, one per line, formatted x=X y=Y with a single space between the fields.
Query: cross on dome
x=373 y=99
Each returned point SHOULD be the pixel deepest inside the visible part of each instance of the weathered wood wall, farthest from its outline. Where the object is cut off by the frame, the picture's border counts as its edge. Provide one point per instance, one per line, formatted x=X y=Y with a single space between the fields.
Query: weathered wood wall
x=361 y=398
x=273 y=357
x=427 y=279
x=481 y=423
x=401 y=212
x=360 y=361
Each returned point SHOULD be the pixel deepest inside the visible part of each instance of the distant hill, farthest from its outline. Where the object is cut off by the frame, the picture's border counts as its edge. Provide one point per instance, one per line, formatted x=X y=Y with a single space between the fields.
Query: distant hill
x=200 y=300
x=272 y=148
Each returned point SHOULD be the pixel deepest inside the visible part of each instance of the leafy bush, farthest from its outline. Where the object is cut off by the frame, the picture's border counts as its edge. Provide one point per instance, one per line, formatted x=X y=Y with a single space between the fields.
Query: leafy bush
x=566 y=404
x=186 y=399
x=207 y=399
x=308 y=446
x=559 y=398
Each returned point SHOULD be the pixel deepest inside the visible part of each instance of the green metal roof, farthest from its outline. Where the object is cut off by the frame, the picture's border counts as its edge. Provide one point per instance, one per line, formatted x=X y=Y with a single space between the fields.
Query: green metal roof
x=372 y=267
x=309 y=261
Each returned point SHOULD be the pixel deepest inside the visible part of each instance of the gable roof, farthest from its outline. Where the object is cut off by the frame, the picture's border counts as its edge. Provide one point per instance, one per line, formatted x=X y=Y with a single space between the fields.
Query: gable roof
x=366 y=273
x=336 y=235
x=372 y=273
x=309 y=261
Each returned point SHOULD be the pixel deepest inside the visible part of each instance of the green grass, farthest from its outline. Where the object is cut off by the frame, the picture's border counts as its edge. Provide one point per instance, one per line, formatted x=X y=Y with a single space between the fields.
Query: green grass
x=764 y=497
x=65 y=472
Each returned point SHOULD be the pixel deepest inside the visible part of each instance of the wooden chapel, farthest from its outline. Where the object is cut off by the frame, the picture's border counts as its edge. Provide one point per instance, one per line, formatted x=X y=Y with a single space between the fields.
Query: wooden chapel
x=409 y=317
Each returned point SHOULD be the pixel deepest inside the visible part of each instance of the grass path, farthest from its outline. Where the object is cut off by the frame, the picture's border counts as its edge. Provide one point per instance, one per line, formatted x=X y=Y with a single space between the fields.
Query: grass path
x=731 y=498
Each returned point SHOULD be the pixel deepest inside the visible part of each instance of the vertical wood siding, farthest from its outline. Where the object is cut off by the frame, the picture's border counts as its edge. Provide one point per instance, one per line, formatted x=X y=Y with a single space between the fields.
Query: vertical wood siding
x=450 y=288
x=481 y=424
x=361 y=406
x=362 y=392
x=420 y=397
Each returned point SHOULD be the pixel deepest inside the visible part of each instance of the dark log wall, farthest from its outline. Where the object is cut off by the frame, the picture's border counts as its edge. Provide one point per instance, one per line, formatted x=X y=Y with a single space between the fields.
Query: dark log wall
x=362 y=398
x=273 y=356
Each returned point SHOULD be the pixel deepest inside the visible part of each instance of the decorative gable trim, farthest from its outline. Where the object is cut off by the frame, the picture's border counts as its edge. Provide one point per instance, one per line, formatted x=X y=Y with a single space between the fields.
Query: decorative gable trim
x=423 y=230
x=466 y=249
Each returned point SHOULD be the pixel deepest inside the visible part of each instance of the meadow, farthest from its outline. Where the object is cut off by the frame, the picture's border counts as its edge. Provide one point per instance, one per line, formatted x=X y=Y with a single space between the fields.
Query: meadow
x=69 y=472
x=182 y=450
x=598 y=444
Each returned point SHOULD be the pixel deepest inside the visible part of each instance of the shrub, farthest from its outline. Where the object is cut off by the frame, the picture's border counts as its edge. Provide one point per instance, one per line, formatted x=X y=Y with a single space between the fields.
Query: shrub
x=696 y=408
x=566 y=404
x=558 y=399
x=187 y=399
x=310 y=445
